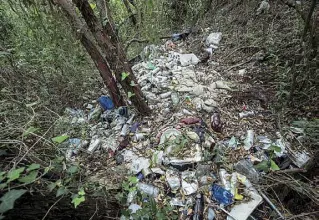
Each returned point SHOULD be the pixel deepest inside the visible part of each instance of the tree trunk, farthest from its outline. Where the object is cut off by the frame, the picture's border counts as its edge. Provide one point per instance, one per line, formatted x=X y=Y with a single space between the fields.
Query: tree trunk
x=113 y=50
x=130 y=12
x=93 y=51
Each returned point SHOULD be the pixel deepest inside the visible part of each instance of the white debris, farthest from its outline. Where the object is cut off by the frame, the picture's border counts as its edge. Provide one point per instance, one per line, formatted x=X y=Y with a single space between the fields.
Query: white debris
x=139 y=164
x=263 y=7
x=188 y=59
x=94 y=145
x=214 y=39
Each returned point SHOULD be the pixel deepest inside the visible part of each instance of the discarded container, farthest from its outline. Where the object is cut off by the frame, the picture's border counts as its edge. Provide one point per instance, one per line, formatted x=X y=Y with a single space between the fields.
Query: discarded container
x=75 y=144
x=95 y=113
x=243 y=210
x=148 y=189
x=246 y=168
x=247 y=114
x=216 y=123
x=175 y=98
x=199 y=208
x=94 y=145
x=125 y=127
x=221 y=195
x=106 y=102
x=249 y=141
x=224 y=178
x=190 y=121
x=134 y=127
x=165 y=95
x=186 y=112
x=138 y=136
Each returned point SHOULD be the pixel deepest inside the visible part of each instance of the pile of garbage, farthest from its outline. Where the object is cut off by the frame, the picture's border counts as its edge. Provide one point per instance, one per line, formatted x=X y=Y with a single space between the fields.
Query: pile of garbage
x=179 y=155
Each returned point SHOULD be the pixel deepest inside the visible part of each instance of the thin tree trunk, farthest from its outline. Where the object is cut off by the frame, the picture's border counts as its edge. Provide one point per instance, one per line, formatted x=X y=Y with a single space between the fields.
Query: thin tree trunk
x=113 y=50
x=93 y=51
x=130 y=12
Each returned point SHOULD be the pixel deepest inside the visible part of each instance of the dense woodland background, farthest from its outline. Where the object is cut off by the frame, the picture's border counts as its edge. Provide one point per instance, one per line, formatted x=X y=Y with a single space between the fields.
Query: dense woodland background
x=44 y=68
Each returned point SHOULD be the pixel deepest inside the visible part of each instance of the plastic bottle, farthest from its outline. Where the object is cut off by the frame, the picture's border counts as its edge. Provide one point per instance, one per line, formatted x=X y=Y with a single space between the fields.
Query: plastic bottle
x=246 y=168
x=175 y=98
x=199 y=208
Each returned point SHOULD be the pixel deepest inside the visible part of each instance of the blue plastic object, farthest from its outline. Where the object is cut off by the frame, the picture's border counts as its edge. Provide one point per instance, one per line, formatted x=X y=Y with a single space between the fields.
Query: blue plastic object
x=106 y=103
x=221 y=195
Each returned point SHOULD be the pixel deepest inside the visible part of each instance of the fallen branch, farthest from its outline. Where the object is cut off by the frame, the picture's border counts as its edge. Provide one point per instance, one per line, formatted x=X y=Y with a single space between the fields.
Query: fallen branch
x=137 y=41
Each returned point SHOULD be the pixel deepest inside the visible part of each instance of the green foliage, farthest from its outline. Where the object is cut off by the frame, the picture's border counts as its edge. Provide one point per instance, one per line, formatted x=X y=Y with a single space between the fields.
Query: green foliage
x=8 y=199
x=78 y=198
x=130 y=94
x=14 y=174
x=60 y=139
x=33 y=166
x=30 y=177
x=29 y=131
x=124 y=75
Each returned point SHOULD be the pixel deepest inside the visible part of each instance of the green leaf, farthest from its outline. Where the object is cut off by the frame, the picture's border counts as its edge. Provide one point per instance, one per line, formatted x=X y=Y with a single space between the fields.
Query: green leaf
x=263 y=165
x=273 y=166
x=124 y=75
x=2 y=217
x=30 y=177
x=81 y=192
x=9 y=198
x=3 y=185
x=93 y=6
x=133 y=179
x=51 y=186
x=2 y=176
x=78 y=200
x=61 y=191
x=60 y=139
x=33 y=166
x=14 y=174
x=133 y=83
x=274 y=148
x=29 y=131
x=130 y=94
x=72 y=169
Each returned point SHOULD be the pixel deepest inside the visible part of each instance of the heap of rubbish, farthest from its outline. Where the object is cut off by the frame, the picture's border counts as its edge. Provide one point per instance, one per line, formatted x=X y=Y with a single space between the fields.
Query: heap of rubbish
x=179 y=155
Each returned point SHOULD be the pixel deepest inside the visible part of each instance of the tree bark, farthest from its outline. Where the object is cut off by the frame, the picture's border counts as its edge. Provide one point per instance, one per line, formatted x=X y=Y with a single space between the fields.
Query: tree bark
x=93 y=51
x=113 y=50
x=130 y=12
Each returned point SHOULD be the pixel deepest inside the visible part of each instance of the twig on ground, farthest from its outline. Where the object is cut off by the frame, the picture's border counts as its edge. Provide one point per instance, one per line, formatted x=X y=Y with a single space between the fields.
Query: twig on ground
x=271 y=204
x=52 y=207
x=94 y=211
x=303 y=215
